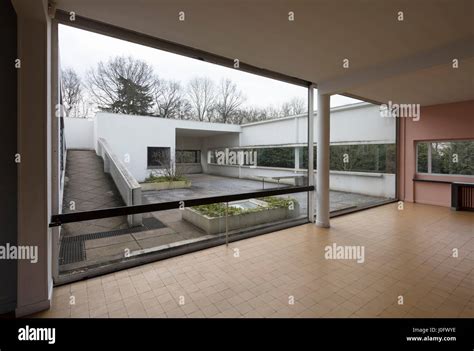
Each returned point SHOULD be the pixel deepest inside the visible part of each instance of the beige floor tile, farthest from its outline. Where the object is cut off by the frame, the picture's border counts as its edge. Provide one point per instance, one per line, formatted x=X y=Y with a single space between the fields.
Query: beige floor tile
x=407 y=253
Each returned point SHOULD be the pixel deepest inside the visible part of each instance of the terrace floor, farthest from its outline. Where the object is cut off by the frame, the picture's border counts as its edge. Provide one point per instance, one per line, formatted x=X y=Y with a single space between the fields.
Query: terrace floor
x=408 y=255
x=88 y=187
x=206 y=185
x=89 y=244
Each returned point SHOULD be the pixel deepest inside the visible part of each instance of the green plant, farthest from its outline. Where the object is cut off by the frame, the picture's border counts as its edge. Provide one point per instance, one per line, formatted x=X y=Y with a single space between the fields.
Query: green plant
x=159 y=179
x=219 y=209
x=169 y=174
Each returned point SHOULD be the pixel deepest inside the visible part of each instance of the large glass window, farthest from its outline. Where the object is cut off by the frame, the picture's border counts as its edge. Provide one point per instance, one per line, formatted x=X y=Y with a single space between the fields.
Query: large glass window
x=145 y=126
x=446 y=157
x=362 y=160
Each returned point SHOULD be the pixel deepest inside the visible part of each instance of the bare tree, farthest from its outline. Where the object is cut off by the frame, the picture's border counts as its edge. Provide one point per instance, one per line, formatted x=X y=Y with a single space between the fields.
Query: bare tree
x=110 y=81
x=229 y=99
x=249 y=114
x=295 y=106
x=170 y=100
x=272 y=112
x=71 y=92
x=202 y=97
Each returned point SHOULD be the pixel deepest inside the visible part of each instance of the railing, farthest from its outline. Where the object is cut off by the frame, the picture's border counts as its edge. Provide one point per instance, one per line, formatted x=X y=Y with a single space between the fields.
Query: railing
x=57 y=220
x=127 y=185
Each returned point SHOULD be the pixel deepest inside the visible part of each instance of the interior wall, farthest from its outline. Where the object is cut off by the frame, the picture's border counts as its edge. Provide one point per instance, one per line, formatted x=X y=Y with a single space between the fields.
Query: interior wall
x=454 y=121
x=8 y=135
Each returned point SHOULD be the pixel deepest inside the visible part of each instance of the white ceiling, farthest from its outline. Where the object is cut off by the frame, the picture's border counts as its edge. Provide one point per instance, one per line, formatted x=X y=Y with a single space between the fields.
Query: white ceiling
x=324 y=33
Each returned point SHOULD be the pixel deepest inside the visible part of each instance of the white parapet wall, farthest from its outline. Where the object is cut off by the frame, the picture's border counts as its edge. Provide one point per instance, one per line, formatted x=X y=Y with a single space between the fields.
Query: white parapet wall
x=373 y=184
x=79 y=133
x=126 y=184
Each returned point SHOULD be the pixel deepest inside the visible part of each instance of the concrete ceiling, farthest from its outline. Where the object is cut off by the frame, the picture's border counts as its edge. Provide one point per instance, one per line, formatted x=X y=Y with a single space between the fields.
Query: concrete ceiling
x=408 y=61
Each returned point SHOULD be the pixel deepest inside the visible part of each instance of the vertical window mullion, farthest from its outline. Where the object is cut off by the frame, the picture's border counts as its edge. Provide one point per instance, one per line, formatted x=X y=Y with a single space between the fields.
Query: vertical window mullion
x=429 y=157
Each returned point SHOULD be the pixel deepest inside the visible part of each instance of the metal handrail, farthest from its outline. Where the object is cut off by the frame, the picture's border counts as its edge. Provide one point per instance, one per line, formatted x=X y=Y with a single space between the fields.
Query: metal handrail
x=60 y=219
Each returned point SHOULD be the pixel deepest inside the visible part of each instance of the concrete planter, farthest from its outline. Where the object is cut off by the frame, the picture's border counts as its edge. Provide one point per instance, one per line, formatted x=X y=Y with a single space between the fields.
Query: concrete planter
x=166 y=185
x=215 y=225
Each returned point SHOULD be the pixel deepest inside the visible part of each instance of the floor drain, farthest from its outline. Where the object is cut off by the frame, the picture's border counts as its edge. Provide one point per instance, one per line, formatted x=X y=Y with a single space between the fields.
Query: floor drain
x=73 y=247
x=71 y=251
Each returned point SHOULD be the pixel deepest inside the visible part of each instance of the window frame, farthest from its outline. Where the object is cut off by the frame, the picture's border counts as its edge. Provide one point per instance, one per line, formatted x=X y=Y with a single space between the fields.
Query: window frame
x=148 y=166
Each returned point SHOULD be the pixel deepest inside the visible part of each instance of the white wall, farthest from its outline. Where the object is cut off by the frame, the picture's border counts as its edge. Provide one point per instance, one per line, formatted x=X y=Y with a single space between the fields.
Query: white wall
x=373 y=184
x=355 y=124
x=361 y=124
x=131 y=135
x=188 y=143
x=79 y=133
x=283 y=131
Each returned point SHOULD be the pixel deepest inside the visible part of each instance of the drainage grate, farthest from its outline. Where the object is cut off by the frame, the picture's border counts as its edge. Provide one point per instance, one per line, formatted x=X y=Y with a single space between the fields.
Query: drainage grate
x=71 y=251
x=73 y=247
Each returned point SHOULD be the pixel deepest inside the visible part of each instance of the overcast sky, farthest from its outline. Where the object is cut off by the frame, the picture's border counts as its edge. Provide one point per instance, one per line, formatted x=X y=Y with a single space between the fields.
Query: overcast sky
x=82 y=50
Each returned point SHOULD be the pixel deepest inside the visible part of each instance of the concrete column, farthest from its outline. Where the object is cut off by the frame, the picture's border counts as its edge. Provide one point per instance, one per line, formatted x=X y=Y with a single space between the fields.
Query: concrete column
x=322 y=179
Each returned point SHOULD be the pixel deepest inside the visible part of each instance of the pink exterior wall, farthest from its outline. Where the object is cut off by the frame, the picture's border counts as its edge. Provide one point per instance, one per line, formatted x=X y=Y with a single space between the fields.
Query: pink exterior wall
x=439 y=122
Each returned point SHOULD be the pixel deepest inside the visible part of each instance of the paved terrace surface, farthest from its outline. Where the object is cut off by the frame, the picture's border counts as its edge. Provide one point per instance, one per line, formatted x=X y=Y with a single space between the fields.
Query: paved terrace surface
x=90 y=188
x=206 y=185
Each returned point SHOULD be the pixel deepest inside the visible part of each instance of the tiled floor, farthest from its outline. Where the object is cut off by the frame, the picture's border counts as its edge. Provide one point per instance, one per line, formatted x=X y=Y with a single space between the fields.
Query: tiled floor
x=408 y=256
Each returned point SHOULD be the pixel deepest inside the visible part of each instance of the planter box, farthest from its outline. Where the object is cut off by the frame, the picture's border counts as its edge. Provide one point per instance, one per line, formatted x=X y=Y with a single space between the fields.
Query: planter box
x=166 y=185
x=215 y=225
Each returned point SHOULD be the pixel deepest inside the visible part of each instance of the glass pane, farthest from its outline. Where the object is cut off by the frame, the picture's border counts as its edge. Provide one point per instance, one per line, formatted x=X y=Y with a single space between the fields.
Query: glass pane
x=283 y=157
x=379 y=158
x=88 y=245
x=362 y=168
x=158 y=157
x=422 y=161
x=181 y=129
x=455 y=157
x=440 y=157
x=303 y=154
x=462 y=157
